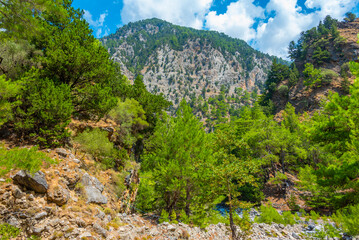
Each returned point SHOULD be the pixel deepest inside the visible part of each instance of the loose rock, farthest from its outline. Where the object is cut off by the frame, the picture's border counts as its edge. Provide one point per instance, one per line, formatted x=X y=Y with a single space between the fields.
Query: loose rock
x=37 y=182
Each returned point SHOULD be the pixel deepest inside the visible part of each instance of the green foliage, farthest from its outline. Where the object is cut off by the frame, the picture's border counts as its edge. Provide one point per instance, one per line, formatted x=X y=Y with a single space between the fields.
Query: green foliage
x=8 y=92
x=244 y=223
x=64 y=69
x=17 y=57
x=333 y=135
x=8 y=232
x=348 y=219
x=292 y=203
x=313 y=76
x=328 y=231
x=283 y=90
x=45 y=110
x=177 y=155
x=131 y=118
x=350 y=17
x=96 y=143
x=316 y=40
x=165 y=217
x=270 y=215
x=328 y=75
x=174 y=217
x=30 y=159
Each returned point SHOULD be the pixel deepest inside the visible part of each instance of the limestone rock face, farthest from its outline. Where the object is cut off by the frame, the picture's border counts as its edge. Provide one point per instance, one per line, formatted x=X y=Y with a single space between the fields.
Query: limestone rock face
x=196 y=66
x=93 y=189
x=37 y=182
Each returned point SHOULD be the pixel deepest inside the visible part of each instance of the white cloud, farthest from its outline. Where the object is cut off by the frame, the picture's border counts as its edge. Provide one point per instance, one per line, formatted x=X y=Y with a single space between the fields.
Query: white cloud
x=97 y=25
x=182 y=12
x=274 y=35
x=237 y=21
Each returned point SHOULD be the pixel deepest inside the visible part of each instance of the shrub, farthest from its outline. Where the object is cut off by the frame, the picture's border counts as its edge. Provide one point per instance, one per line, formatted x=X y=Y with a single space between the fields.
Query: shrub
x=45 y=111
x=8 y=232
x=350 y=17
x=174 y=217
x=22 y=158
x=292 y=203
x=312 y=76
x=164 y=216
x=348 y=219
x=345 y=70
x=328 y=75
x=269 y=215
x=8 y=91
x=96 y=143
x=283 y=90
x=131 y=118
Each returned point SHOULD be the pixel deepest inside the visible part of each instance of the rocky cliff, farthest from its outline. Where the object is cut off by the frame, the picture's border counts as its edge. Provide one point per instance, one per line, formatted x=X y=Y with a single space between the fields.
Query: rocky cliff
x=335 y=70
x=183 y=62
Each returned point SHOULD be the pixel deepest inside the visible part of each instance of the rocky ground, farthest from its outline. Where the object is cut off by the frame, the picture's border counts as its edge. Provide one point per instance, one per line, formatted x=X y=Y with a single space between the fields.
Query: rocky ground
x=70 y=201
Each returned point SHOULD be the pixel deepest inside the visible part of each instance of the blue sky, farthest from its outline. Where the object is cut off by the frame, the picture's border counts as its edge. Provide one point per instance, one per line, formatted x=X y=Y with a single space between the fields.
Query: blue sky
x=267 y=25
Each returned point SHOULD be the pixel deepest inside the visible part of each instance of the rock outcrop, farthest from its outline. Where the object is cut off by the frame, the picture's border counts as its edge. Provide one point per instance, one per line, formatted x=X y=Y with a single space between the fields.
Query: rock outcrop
x=182 y=62
x=93 y=189
x=37 y=182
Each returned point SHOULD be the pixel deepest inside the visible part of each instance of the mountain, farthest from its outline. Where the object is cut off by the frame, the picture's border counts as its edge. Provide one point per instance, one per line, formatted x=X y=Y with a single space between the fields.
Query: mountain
x=321 y=57
x=179 y=61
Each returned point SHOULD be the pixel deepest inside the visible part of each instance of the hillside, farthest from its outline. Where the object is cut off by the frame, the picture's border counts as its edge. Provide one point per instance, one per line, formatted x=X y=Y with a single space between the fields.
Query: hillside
x=322 y=57
x=179 y=61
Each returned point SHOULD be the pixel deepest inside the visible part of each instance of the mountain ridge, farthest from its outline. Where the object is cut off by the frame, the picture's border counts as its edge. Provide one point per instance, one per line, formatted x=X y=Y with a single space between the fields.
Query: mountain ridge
x=196 y=62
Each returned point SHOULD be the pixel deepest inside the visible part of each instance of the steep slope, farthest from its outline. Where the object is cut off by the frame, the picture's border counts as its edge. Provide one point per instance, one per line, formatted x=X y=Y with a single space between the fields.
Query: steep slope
x=328 y=49
x=180 y=61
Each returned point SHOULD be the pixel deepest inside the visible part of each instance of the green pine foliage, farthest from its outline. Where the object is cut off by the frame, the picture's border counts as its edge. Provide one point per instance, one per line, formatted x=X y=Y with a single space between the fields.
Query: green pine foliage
x=45 y=111
x=29 y=159
x=270 y=215
x=348 y=219
x=176 y=157
x=8 y=101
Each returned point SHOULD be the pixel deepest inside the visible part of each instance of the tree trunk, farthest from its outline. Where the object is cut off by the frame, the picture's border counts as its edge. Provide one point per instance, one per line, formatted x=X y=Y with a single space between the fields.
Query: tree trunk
x=231 y=223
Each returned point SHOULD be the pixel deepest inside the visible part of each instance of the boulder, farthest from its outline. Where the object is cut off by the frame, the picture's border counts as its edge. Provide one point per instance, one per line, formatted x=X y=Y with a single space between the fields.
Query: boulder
x=93 y=189
x=37 y=182
x=64 y=153
x=99 y=230
x=58 y=194
x=40 y=215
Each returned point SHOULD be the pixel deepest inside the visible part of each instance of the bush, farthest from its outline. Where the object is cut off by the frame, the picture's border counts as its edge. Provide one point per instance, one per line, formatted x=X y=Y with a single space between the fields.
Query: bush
x=8 y=92
x=30 y=160
x=164 y=217
x=348 y=219
x=131 y=118
x=283 y=90
x=8 y=232
x=45 y=111
x=312 y=76
x=96 y=143
x=350 y=17
x=270 y=215
x=328 y=75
